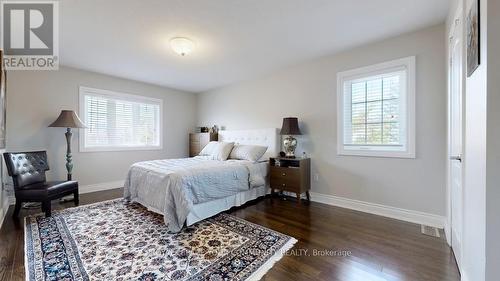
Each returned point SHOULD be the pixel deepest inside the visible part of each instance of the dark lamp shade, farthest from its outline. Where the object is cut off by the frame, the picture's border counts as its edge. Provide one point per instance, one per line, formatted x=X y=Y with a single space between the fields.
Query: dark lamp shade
x=68 y=119
x=290 y=126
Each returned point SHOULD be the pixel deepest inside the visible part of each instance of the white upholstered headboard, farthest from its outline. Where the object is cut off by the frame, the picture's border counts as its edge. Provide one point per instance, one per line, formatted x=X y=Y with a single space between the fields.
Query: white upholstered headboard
x=266 y=137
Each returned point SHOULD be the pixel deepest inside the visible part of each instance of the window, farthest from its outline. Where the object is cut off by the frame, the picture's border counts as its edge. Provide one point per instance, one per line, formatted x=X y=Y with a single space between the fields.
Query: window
x=376 y=110
x=117 y=121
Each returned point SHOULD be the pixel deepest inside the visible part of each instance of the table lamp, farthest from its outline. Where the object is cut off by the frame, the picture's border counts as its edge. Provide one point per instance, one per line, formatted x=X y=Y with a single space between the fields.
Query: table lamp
x=290 y=128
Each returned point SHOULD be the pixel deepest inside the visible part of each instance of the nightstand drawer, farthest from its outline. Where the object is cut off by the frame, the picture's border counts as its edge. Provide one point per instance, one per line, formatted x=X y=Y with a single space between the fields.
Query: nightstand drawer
x=285 y=184
x=285 y=178
x=292 y=174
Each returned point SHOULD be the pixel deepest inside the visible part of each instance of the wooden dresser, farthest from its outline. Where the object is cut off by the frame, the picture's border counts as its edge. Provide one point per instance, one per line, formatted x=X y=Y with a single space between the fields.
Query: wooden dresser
x=197 y=142
x=292 y=175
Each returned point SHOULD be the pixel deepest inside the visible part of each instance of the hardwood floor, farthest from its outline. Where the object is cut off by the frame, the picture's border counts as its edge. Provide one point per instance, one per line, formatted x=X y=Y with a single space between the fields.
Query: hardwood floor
x=374 y=248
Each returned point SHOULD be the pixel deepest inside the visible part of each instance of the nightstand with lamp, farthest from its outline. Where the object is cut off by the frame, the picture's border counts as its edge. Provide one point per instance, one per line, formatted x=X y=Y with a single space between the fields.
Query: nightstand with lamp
x=290 y=173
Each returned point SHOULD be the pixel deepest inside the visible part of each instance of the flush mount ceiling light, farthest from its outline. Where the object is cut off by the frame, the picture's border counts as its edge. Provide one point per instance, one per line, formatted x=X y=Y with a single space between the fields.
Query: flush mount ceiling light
x=181 y=45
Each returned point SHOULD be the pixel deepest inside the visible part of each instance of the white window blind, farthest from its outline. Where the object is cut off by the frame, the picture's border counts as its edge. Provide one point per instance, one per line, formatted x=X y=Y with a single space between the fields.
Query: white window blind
x=376 y=110
x=117 y=121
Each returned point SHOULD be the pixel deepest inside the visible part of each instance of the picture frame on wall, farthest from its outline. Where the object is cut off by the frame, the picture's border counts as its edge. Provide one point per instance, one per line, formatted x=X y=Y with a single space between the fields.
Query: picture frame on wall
x=3 y=93
x=473 y=38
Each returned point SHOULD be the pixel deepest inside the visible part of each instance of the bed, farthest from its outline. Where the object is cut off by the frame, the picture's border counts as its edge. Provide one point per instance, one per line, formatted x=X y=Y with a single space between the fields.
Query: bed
x=188 y=190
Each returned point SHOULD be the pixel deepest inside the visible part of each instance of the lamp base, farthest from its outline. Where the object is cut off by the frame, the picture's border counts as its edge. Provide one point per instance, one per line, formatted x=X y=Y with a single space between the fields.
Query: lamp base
x=69 y=156
x=290 y=144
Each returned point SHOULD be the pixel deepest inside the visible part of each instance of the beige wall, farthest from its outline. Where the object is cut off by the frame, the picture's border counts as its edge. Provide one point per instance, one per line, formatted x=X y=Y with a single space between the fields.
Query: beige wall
x=308 y=91
x=35 y=99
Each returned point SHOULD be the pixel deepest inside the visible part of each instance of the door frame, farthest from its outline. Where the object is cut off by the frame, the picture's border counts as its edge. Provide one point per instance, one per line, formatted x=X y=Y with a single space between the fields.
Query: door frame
x=448 y=224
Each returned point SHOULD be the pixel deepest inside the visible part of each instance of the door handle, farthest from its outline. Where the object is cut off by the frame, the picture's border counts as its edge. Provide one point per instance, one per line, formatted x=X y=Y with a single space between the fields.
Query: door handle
x=457 y=157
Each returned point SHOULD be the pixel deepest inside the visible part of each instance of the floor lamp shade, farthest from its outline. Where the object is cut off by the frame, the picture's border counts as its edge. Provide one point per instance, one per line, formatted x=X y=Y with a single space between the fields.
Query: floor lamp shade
x=68 y=119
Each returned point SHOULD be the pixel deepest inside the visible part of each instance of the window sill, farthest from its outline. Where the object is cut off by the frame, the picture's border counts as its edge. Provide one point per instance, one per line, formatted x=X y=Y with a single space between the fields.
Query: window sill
x=118 y=148
x=377 y=153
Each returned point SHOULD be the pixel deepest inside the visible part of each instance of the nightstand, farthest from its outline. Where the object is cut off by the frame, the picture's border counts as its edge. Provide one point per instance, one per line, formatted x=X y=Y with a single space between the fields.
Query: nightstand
x=292 y=175
x=197 y=142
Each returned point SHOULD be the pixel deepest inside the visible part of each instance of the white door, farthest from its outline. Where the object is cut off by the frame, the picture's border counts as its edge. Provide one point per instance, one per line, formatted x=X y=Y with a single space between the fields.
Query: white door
x=456 y=139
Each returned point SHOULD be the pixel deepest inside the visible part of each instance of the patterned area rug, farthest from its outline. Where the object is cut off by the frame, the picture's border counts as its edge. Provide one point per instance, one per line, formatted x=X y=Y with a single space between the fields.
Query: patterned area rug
x=117 y=240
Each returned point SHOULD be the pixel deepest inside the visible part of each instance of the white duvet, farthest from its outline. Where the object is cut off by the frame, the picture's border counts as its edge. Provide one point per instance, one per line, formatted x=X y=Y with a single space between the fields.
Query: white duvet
x=172 y=186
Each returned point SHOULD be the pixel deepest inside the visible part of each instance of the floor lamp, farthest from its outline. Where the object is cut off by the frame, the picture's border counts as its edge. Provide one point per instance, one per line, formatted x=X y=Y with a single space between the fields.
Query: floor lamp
x=68 y=119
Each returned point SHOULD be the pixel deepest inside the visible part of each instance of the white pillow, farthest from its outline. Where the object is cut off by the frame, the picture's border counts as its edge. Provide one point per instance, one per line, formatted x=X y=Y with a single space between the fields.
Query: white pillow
x=247 y=152
x=209 y=148
x=217 y=150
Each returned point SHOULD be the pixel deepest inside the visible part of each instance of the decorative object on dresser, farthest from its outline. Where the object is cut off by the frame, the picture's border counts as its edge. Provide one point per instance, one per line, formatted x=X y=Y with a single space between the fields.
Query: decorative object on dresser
x=214 y=129
x=27 y=170
x=290 y=128
x=292 y=175
x=197 y=142
x=68 y=119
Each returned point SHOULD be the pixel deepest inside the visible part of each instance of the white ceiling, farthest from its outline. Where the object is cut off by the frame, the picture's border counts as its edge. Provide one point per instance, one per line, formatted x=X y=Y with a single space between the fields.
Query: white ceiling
x=236 y=39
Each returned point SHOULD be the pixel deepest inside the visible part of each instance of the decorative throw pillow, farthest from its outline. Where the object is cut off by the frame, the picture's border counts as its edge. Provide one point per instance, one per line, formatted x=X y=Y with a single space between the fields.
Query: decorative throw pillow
x=247 y=152
x=217 y=150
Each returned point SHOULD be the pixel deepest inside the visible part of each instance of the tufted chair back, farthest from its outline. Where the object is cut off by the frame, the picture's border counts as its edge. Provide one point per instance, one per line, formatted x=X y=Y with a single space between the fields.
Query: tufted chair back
x=26 y=167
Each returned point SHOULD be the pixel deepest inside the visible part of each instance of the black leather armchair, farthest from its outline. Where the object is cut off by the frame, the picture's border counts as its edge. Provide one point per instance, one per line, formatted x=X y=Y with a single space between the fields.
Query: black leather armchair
x=27 y=170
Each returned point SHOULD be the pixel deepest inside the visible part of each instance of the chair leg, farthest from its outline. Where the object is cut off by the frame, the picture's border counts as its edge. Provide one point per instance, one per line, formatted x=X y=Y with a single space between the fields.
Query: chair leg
x=17 y=208
x=76 y=198
x=47 y=208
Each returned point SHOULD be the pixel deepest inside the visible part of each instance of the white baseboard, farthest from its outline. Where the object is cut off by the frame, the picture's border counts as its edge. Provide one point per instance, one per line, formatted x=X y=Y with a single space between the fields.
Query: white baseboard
x=100 y=186
x=447 y=231
x=381 y=210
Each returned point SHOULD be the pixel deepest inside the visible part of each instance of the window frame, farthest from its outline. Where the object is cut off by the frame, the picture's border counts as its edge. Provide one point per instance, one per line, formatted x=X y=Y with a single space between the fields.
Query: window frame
x=409 y=64
x=83 y=90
